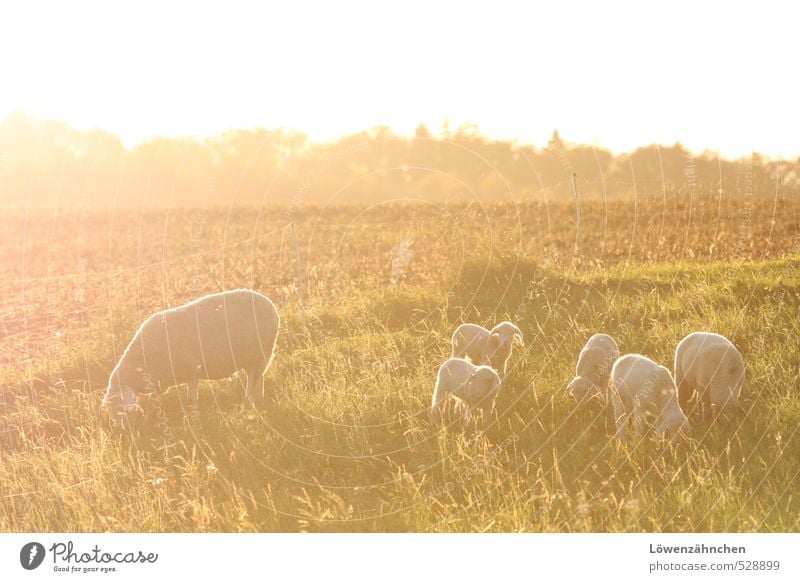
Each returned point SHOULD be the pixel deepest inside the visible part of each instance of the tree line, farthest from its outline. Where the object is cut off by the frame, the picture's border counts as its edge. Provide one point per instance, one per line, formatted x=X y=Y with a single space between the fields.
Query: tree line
x=51 y=163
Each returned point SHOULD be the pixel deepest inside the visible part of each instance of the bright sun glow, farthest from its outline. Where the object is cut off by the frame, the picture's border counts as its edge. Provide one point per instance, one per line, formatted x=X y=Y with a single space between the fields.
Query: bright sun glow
x=615 y=74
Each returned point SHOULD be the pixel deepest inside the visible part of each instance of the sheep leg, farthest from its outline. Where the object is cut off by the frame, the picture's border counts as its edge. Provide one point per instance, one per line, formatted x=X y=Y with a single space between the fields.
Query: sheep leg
x=486 y=413
x=439 y=394
x=684 y=395
x=708 y=411
x=622 y=428
x=254 y=391
x=501 y=370
x=193 y=398
x=621 y=417
x=640 y=414
x=149 y=414
x=638 y=423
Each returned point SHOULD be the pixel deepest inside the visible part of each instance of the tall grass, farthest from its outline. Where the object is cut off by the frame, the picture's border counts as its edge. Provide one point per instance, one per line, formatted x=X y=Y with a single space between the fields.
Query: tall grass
x=345 y=445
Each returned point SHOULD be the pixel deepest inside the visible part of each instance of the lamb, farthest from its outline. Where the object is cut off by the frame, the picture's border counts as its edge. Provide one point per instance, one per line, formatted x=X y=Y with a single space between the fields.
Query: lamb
x=594 y=368
x=487 y=347
x=209 y=338
x=709 y=364
x=639 y=385
x=476 y=386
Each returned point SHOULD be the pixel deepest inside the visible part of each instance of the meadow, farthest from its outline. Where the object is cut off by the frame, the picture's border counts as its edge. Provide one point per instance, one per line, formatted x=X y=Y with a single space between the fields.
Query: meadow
x=369 y=296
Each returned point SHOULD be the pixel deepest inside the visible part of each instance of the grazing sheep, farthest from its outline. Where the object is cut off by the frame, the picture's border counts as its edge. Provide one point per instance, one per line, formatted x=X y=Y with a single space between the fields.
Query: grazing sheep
x=709 y=364
x=476 y=386
x=208 y=338
x=639 y=386
x=486 y=347
x=594 y=368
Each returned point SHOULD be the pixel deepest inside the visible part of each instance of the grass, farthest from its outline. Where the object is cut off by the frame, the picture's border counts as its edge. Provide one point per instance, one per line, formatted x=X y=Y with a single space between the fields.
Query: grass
x=346 y=445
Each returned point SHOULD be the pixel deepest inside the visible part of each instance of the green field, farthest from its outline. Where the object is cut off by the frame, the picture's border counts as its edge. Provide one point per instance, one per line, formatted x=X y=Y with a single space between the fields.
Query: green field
x=346 y=445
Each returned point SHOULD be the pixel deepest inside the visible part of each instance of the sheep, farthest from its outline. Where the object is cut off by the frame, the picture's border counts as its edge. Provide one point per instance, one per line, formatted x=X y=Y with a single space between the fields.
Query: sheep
x=486 y=347
x=594 y=368
x=639 y=385
x=209 y=338
x=709 y=364
x=475 y=386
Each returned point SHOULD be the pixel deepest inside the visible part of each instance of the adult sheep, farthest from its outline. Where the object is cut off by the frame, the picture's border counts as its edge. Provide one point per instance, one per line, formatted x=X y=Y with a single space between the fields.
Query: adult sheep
x=594 y=368
x=209 y=338
x=710 y=365
x=640 y=386
x=475 y=386
x=487 y=347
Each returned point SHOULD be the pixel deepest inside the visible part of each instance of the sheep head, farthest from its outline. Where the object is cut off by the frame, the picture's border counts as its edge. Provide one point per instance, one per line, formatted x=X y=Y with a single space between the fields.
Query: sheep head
x=509 y=332
x=482 y=389
x=675 y=426
x=121 y=403
x=582 y=389
x=497 y=351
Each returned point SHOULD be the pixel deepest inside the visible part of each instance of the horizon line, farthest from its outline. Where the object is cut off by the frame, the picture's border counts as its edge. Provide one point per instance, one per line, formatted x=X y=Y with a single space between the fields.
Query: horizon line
x=436 y=134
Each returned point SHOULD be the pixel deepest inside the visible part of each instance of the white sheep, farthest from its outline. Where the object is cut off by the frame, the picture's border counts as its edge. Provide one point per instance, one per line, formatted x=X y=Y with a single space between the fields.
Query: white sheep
x=486 y=347
x=638 y=386
x=475 y=386
x=594 y=368
x=710 y=365
x=209 y=338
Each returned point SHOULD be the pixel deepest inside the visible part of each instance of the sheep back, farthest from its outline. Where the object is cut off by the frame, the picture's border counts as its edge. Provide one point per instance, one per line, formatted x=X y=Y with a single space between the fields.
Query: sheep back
x=469 y=340
x=706 y=361
x=596 y=359
x=208 y=338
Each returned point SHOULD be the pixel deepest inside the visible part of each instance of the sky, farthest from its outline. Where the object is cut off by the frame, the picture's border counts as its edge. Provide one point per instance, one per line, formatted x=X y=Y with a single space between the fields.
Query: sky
x=711 y=75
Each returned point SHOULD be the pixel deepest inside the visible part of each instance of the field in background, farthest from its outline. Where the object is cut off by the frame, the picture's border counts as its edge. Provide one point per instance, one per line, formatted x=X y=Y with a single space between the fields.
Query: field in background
x=369 y=297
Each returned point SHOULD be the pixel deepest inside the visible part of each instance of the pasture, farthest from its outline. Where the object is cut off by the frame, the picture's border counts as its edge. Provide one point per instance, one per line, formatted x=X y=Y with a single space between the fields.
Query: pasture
x=368 y=298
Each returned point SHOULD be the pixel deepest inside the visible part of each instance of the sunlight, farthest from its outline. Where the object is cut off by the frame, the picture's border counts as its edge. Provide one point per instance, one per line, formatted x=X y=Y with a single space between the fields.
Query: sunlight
x=610 y=75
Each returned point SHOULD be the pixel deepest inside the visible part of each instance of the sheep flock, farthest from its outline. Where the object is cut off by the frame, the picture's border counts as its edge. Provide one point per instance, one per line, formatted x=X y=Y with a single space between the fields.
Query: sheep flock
x=217 y=335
